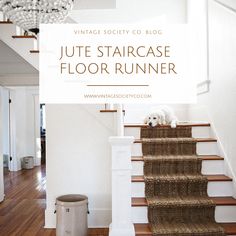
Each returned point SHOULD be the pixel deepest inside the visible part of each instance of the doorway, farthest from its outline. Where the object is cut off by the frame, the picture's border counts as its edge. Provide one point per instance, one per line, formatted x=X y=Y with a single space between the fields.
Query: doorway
x=6 y=129
x=43 y=133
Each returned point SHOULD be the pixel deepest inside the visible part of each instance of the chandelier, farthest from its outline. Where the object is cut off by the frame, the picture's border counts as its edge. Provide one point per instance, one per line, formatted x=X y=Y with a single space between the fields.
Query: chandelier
x=28 y=14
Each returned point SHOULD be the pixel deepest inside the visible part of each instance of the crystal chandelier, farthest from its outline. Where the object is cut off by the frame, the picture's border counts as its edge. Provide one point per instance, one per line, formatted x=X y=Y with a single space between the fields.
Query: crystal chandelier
x=28 y=14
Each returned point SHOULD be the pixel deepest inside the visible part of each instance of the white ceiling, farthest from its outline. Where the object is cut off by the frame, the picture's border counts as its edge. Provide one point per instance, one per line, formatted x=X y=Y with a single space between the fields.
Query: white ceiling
x=11 y=63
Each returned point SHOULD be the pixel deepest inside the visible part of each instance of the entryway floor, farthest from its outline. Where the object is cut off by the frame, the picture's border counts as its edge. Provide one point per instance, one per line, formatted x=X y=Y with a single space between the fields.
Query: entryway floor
x=22 y=211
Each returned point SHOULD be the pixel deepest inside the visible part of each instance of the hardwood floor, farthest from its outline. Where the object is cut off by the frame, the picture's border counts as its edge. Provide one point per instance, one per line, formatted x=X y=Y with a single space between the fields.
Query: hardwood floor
x=22 y=211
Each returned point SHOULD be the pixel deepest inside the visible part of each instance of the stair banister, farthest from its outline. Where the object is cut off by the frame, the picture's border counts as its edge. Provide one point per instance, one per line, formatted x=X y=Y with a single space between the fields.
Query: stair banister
x=1 y=16
x=120 y=120
x=122 y=224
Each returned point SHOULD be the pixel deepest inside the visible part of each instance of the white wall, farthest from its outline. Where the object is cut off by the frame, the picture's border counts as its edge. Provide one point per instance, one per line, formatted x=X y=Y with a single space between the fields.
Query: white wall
x=1 y=146
x=23 y=132
x=5 y=122
x=78 y=159
x=94 y=4
x=135 y=11
x=218 y=106
x=136 y=113
x=78 y=152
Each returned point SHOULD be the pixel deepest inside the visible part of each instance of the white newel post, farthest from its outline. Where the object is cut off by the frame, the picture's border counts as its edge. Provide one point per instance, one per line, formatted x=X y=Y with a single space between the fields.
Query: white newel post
x=122 y=224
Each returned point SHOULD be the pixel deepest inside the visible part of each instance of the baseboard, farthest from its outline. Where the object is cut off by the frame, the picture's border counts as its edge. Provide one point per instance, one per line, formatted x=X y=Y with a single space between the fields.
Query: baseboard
x=201 y=113
x=228 y=168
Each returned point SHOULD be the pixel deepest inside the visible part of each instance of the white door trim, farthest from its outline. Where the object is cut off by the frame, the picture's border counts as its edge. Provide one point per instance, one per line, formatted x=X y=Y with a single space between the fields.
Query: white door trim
x=37 y=138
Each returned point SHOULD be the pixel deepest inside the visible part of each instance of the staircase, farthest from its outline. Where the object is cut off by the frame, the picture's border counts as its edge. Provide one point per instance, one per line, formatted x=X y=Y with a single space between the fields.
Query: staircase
x=25 y=46
x=220 y=186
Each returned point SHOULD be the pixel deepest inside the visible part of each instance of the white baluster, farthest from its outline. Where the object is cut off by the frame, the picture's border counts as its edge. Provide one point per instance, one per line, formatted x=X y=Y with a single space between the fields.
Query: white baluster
x=120 y=120
x=1 y=16
x=36 y=43
x=18 y=31
x=111 y=106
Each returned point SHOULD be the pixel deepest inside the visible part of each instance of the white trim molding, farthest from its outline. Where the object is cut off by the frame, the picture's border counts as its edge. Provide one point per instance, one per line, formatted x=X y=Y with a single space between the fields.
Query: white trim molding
x=122 y=224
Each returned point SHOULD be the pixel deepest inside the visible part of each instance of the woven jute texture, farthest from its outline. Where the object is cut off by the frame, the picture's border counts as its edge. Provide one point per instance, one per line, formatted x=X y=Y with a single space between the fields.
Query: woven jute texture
x=175 y=189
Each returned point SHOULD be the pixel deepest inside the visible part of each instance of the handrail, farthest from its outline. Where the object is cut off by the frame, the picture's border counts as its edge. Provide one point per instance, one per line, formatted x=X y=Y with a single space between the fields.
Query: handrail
x=207 y=81
x=225 y=6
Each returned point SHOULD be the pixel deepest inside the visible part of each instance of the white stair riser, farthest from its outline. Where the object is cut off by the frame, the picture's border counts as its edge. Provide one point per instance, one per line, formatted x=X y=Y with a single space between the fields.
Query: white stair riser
x=222 y=214
x=214 y=189
x=201 y=132
x=208 y=167
x=213 y=167
x=203 y=148
x=207 y=148
x=220 y=188
x=197 y=132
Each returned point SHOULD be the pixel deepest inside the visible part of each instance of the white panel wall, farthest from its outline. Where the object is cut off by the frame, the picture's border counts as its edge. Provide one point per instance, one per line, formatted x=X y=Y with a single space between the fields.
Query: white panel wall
x=218 y=106
x=5 y=123
x=78 y=158
x=23 y=123
x=1 y=146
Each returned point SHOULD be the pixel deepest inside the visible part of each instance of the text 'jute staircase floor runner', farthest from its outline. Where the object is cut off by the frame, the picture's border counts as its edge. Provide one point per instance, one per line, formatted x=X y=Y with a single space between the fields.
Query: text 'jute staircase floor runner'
x=175 y=189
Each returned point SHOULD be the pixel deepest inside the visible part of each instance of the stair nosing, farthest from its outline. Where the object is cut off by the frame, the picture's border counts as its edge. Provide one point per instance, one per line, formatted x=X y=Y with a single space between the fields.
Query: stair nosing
x=6 y=22
x=203 y=157
x=198 y=140
x=219 y=201
x=109 y=111
x=179 y=125
x=146 y=231
x=34 y=51
x=24 y=37
x=211 y=178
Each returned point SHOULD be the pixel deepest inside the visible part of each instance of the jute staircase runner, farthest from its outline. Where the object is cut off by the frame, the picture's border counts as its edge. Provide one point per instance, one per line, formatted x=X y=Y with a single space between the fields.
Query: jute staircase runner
x=175 y=189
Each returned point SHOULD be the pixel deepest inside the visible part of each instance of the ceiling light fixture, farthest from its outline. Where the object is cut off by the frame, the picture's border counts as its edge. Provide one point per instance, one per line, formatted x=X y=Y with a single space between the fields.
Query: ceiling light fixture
x=28 y=14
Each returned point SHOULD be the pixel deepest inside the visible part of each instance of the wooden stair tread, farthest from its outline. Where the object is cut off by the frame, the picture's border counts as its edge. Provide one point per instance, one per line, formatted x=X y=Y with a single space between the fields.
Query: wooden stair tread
x=24 y=37
x=140 y=178
x=34 y=51
x=218 y=178
x=203 y=157
x=211 y=157
x=142 y=229
x=200 y=140
x=179 y=125
x=109 y=111
x=145 y=230
x=230 y=228
x=6 y=22
x=219 y=201
x=137 y=158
